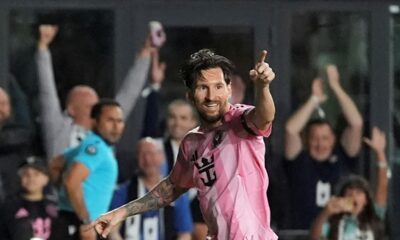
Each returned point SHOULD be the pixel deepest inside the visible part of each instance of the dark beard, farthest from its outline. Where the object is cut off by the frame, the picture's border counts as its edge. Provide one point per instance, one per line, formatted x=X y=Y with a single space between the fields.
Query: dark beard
x=209 y=119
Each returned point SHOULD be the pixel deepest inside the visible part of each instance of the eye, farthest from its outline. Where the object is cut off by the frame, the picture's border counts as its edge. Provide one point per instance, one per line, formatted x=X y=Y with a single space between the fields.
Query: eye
x=220 y=86
x=201 y=88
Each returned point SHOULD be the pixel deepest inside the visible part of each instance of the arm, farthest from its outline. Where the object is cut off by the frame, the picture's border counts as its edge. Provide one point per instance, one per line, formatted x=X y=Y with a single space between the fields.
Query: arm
x=264 y=111
x=134 y=81
x=56 y=167
x=151 y=121
x=352 y=135
x=297 y=122
x=316 y=228
x=51 y=112
x=160 y=196
x=73 y=185
x=335 y=205
x=378 y=145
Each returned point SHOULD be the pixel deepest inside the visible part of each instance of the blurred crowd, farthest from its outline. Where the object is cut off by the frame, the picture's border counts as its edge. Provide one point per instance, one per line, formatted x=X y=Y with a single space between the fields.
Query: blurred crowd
x=56 y=181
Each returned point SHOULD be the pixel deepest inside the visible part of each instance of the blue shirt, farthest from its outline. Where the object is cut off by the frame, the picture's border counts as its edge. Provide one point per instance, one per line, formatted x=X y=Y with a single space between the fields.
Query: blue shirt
x=98 y=157
x=154 y=222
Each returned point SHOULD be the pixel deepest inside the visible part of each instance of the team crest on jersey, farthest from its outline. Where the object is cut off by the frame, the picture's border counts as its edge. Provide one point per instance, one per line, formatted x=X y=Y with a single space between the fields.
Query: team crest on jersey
x=91 y=149
x=207 y=166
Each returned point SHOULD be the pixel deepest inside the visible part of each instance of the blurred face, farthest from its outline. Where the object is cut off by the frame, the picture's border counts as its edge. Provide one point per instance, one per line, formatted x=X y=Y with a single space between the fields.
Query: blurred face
x=321 y=141
x=238 y=89
x=179 y=121
x=149 y=158
x=210 y=96
x=110 y=124
x=32 y=180
x=5 y=108
x=359 y=197
x=81 y=101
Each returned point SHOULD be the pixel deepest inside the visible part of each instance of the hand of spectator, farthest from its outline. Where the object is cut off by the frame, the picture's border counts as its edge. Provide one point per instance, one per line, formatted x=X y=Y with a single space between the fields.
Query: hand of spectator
x=106 y=222
x=338 y=205
x=377 y=142
x=148 y=49
x=317 y=90
x=333 y=76
x=87 y=234
x=157 y=69
x=47 y=33
x=262 y=73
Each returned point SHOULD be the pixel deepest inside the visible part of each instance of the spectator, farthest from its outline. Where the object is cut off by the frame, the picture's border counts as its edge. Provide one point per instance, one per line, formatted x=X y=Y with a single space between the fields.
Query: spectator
x=15 y=145
x=238 y=89
x=29 y=214
x=314 y=167
x=67 y=129
x=90 y=169
x=355 y=213
x=172 y=222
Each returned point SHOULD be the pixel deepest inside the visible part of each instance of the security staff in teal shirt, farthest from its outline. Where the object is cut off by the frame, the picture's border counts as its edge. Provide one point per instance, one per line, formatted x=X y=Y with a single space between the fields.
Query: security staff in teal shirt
x=89 y=173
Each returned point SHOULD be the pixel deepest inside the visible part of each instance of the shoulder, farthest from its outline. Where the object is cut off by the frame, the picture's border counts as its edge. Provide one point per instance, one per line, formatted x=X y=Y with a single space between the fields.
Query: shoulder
x=301 y=159
x=93 y=144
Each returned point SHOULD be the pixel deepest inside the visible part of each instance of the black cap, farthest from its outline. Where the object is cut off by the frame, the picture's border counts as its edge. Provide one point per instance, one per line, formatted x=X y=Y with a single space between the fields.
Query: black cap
x=35 y=163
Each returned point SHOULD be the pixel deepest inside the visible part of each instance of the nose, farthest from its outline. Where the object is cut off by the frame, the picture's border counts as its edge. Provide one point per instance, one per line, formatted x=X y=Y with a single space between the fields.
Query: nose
x=210 y=94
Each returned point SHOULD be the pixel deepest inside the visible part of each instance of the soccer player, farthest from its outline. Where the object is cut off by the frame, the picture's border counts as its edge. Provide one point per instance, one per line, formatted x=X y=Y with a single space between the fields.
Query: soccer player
x=223 y=158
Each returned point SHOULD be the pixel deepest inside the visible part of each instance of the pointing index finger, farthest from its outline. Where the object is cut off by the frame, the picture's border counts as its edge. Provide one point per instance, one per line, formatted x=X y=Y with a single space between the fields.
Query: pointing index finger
x=263 y=56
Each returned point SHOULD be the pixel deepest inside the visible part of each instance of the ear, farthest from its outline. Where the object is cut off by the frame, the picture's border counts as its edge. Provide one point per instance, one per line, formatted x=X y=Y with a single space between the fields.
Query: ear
x=47 y=180
x=229 y=86
x=70 y=110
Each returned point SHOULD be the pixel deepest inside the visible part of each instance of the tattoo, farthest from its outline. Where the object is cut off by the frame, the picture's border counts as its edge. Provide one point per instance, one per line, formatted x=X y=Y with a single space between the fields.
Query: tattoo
x=160 y=196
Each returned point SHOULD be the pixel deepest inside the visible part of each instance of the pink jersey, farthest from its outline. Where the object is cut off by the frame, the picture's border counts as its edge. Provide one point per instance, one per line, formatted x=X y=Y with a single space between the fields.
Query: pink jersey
x=226 y=165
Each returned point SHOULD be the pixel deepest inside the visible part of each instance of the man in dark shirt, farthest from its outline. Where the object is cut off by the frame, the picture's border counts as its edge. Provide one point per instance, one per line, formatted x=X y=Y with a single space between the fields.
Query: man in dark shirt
x=315 y=165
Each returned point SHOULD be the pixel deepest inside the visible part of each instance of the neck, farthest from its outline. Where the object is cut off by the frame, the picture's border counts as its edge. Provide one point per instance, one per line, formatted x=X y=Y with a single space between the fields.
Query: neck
x=36 y=196
x=83 y=123
x=208 y=126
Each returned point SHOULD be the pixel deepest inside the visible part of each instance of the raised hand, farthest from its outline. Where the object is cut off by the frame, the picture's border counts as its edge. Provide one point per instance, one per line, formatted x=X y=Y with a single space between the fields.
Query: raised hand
x=333 y=76
x=377 y=142
x=262 y=73
x=339 y=205
x=47 y=33
x=317 y=90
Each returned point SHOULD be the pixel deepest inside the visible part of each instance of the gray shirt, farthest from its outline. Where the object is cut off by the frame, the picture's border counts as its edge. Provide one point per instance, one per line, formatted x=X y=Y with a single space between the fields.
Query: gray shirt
x=58 y=127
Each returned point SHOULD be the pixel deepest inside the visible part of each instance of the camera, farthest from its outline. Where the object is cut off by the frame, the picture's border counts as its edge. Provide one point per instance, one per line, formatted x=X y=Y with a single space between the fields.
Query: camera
x=157 y=33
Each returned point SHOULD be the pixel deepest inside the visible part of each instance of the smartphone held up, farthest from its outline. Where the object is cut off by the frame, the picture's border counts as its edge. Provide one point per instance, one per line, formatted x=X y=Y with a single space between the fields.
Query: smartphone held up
x=158 y=36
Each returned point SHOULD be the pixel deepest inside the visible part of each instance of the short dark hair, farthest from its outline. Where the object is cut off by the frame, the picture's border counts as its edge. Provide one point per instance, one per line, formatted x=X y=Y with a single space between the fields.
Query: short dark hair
x=316 y=122
x=98 y=107
x=202 y=60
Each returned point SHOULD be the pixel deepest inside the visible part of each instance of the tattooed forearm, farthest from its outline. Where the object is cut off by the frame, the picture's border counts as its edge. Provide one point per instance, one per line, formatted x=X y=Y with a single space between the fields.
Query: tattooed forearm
x=160 y=196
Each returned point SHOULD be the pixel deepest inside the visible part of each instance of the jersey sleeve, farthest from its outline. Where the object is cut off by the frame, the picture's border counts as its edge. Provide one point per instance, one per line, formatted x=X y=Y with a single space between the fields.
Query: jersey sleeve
x=183 y=218
x=89 y=154
x=182 y=172
x=250 y=127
